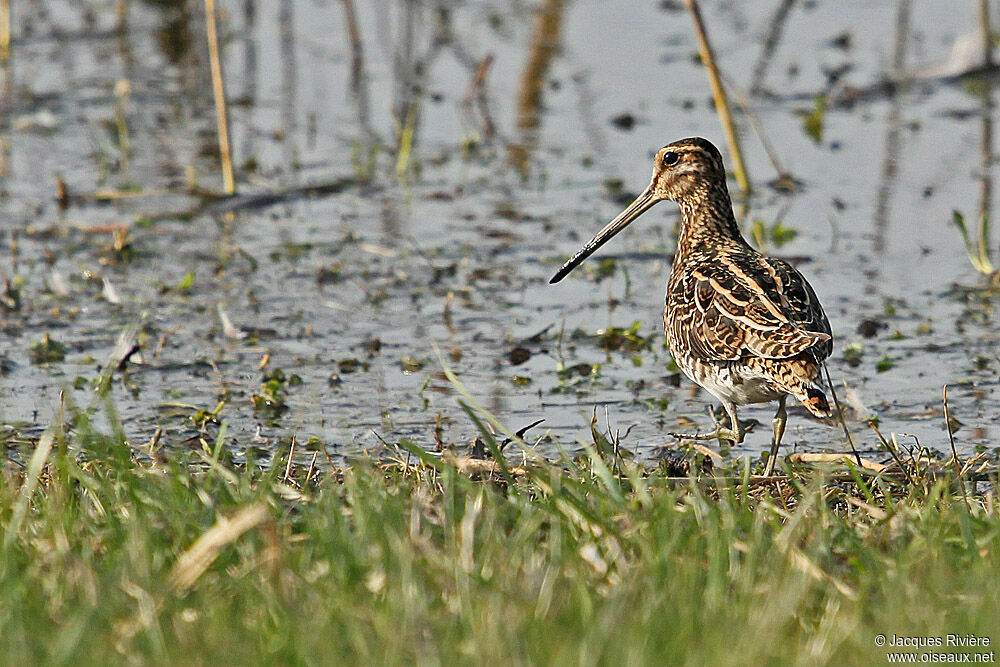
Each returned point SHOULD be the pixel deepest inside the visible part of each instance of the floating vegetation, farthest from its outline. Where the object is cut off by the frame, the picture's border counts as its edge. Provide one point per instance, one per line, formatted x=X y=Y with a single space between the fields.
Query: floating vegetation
x=48 y=351
x=351 y=365
x=272 y=397
x=201 y=418
x=658 y=403
x=812 y=121
x=853 y=353
x=410 y=364
x=884 y=364
x=628 y=340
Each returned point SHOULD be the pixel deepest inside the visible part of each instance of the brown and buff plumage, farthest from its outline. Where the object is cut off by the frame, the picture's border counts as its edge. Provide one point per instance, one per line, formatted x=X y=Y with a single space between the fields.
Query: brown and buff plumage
x=747 y=328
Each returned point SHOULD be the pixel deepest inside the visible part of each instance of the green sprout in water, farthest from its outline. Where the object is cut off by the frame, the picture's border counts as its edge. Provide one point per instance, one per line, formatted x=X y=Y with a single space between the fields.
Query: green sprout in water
x=812 y=122
x=884 y=364
x=978 y=251
x=630 y=340
x=271 y=399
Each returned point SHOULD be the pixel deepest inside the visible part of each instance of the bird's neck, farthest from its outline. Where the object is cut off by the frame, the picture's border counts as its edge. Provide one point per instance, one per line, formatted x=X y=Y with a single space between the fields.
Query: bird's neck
x=706 y=219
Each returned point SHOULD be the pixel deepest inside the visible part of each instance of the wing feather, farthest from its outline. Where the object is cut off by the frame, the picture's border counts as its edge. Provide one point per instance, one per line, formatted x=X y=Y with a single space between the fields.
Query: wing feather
x=732 y=306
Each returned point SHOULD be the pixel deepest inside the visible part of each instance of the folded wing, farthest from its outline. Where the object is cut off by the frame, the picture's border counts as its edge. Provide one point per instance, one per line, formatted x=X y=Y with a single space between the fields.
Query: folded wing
x=762 y=307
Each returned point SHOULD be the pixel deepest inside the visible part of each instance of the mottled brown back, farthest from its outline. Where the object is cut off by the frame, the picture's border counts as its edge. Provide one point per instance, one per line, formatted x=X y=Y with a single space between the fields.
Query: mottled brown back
x=728 y=302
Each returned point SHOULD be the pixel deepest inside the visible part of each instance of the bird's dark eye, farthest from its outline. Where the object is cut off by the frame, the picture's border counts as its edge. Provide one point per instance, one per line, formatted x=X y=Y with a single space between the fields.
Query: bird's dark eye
x=670 y=159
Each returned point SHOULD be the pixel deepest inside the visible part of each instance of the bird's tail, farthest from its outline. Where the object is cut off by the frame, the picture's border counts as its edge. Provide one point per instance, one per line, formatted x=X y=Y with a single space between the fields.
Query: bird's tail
x=796 y=377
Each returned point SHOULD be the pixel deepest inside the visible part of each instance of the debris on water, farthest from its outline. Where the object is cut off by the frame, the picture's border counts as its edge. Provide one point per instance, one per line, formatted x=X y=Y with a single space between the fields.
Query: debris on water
x=519 y=355
x=629 y=340
x=57 y=285
x=624 y=121
x=43 y=121
x=109 y=293
x=328 y=275
x=228 y=330
x=869 y=328
x=351 y=365
x=410 y=364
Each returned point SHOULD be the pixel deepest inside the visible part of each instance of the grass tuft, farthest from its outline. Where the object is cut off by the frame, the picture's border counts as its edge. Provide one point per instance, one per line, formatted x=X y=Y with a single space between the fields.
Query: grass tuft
x=110 y=554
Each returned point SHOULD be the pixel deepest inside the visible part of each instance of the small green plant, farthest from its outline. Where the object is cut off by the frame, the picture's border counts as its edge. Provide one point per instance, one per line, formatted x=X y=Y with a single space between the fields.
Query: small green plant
x=812 y=122
x=271 y=399
x=629 y=340
x=47 y=351
x=203 y=418
x=852 y=353
x=884 y=364
x=978 y=250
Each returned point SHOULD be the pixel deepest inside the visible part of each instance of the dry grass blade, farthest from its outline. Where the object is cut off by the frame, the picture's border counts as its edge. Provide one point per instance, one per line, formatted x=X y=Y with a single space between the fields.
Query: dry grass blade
x=35 y=466
x=803 y=457
x=200 y=555
x=473 y=467
x=876 y=513
x=805 y=565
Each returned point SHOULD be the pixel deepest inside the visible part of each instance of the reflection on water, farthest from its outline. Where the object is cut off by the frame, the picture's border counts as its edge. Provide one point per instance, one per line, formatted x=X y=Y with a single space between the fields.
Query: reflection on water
x=542 y=48
x=890 y=160
x=380 y=215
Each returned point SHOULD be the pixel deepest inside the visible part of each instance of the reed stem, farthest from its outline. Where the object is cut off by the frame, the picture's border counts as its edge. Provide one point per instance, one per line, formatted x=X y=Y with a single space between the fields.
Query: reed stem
x=4 y=31
x=221 y=112
x=719 y=96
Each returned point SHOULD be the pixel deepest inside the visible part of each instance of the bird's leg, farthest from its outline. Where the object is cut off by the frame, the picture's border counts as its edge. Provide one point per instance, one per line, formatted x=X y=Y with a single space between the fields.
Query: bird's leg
x=780 y=417
x=734 y=434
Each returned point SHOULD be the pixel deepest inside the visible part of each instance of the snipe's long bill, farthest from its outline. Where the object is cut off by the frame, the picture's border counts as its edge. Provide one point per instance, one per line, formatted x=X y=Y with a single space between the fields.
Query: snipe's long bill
x=745 y=327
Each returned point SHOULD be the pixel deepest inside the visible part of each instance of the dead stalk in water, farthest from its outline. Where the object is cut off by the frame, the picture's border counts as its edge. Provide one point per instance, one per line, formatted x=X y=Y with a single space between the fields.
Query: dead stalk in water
x=719 y=96
x=987 y=32
x=951 y=439
x=4 y=30
x=123 y=91
x=221 y=112
x=476 y=93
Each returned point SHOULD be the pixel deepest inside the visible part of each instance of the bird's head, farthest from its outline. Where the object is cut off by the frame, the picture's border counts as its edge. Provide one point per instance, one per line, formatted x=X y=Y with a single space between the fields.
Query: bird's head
x=682 y=171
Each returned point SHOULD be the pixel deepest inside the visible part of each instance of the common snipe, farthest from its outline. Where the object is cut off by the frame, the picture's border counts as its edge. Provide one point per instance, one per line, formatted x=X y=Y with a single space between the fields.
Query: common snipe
x=747 y=328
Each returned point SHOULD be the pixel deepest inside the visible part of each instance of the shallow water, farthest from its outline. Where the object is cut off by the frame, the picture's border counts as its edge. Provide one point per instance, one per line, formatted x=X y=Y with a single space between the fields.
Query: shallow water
x=454 y=248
